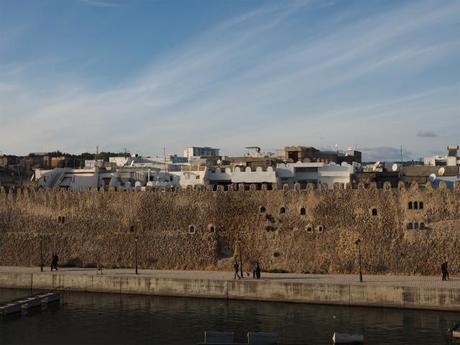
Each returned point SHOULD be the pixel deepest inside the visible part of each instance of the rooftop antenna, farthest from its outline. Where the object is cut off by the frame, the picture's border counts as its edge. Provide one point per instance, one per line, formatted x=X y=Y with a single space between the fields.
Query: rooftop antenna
x=96 y=167
x=164 y=155
x=401 y=155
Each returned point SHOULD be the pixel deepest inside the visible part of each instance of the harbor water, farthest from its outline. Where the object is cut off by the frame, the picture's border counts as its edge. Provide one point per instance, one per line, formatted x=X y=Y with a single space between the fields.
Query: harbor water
x=91 y=318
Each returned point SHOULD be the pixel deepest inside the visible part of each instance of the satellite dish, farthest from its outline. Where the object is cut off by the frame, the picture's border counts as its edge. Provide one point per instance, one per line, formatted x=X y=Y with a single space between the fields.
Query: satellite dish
x=441 y=171
x=394 y=167
x=432 y=177
x=375 y=166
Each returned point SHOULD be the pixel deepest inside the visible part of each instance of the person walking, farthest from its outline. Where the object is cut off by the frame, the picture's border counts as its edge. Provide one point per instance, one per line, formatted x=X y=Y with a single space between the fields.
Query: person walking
x=444 y=271
x=54 y=262
x=257 y=271
x=236 y=269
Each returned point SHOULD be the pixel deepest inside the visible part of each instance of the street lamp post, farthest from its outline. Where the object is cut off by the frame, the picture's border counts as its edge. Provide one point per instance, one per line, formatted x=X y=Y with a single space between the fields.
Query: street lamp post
x=41 y=253
x=358 y=243
x=135 y=251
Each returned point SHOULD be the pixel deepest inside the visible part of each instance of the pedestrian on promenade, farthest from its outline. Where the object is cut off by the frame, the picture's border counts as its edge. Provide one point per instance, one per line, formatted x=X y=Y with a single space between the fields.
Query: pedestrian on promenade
x=254 y=268
x=236 y=269
x=257 y=270
x=445 y=271
x=54 y=262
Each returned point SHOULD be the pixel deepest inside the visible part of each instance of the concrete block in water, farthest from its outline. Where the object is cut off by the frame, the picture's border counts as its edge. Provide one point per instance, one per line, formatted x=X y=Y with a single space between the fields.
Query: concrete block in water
x=262 y=338
x=213 y=337
x=11 y=308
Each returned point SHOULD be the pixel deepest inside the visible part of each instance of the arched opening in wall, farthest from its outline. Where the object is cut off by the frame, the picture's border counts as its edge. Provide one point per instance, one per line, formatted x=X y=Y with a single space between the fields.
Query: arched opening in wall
x=409 y=226
x=374 y=211
x=422 y=226
x=131 y=228
x=415 y=205
x=191 y=229
x=320 y=228
x=282 y=210
x=61 y=220
x=415 y=225
x=410 y=205
x=420 y=205
x=211 y=228
x=309 y=228
x=303 y=212
x=262 y=209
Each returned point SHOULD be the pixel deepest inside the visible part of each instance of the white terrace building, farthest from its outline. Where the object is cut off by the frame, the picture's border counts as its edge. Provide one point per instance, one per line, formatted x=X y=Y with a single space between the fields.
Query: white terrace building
x=314 y=173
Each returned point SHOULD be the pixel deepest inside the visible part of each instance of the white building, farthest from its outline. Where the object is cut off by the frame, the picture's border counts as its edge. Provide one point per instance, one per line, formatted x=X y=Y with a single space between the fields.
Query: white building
x=76 y=179
x=315 y=173
x=197 y=151
x=451 y=159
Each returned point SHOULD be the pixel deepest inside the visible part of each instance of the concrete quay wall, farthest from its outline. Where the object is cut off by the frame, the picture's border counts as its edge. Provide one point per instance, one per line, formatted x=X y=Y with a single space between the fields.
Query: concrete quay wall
x=413 y=297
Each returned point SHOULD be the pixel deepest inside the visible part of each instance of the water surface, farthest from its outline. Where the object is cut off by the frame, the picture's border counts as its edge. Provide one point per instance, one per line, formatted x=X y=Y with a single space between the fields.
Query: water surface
x=90 y=318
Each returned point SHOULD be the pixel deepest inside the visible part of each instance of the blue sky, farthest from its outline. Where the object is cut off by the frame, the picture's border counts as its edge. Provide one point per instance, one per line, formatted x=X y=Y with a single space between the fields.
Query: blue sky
x=144 y=74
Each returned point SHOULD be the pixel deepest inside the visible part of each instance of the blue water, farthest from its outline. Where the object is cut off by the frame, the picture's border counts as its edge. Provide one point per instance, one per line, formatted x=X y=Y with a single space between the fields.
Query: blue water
x=89 y=318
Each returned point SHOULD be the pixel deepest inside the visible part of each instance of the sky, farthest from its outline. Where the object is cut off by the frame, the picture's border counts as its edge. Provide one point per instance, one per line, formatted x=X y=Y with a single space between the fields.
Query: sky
x=147 y=74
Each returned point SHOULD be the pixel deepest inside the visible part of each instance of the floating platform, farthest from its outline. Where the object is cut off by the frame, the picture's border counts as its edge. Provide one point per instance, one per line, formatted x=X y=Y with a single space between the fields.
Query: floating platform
x=253 y=338
x=34 y=301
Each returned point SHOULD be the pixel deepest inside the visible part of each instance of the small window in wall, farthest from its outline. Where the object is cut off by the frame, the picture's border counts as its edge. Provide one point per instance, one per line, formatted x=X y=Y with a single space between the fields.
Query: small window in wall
x=415 y=225
x=422 y=225
x=282 y=210
x=410 y=205
x=131 y=228
x=320 y=228
x=191 y=229
x=309 y=228
x=303 y=212
x=409 y=226
x=197 y=177
x=374 y=211
x=420 y=205
x=61 y=219
x=415 y=205
x=276 y=254
x=211 y=228
x=262 y=209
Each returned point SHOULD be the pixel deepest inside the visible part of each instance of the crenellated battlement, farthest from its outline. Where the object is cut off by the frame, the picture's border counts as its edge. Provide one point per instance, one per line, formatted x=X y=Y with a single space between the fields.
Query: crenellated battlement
x=323 y=189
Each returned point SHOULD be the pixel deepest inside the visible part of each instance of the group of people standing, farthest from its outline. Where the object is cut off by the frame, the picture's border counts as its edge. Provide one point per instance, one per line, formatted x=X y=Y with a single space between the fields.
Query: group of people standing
x=238 y=270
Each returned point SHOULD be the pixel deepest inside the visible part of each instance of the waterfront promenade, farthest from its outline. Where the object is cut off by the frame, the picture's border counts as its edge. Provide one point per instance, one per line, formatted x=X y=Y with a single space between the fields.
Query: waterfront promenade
x=420 y=292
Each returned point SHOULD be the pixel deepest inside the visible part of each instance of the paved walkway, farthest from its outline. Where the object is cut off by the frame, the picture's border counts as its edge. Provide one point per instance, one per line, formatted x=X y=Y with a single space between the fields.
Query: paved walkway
x=345 y=279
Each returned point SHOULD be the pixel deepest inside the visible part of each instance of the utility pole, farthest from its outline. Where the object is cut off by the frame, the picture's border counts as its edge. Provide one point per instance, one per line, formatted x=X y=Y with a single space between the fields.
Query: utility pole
x=135 y=251
x=41 y=253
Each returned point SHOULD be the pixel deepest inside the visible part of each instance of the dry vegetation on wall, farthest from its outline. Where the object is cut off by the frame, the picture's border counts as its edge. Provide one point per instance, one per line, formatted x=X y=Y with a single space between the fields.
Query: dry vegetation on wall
x=285 y=230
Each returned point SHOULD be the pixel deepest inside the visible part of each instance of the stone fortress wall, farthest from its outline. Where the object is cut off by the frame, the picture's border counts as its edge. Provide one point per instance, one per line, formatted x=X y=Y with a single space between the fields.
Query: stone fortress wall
x=405 y=230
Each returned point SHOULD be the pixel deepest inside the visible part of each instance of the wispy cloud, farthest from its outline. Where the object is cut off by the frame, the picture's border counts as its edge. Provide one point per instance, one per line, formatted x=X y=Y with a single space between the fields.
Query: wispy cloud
x=101 y=3
x=426 y=134
x=264 y=78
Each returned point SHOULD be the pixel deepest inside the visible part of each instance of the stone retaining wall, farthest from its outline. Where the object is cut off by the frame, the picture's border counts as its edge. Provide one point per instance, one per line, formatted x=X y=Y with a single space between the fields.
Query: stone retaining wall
x=312 y=231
